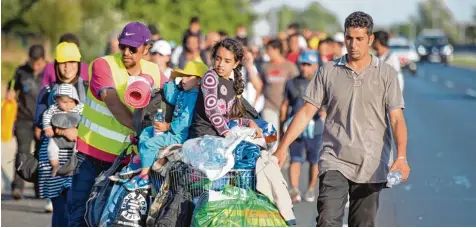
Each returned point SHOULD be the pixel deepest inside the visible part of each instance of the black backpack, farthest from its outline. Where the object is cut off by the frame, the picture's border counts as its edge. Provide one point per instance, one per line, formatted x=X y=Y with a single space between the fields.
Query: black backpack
x=173 y=206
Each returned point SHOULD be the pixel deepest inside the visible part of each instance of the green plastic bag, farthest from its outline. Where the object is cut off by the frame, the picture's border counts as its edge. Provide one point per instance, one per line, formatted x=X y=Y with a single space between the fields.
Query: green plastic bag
x=245 y=208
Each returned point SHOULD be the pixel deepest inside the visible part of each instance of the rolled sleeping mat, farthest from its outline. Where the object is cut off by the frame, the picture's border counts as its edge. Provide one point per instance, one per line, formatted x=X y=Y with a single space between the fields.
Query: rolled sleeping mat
x=139 y=91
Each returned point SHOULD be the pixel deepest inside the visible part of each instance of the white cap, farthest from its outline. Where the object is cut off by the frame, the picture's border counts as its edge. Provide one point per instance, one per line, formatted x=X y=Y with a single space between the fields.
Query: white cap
x=339 y=37
x=162 y=47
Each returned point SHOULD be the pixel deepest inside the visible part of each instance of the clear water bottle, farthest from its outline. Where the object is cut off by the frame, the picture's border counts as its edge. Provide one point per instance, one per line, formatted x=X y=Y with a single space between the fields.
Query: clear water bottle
x=394 y=177
x=311 y=128
x=159 y=117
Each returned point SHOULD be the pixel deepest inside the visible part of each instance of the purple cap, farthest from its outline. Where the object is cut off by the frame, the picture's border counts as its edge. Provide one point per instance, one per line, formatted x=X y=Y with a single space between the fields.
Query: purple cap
x=134 y=34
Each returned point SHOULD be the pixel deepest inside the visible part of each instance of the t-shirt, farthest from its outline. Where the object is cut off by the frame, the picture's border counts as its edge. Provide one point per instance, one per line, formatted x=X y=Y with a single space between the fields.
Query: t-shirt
x=275 y=78
x=28 y=85
x=293 y=57
x=357 y=139
x=293 y=92
x=49 y=76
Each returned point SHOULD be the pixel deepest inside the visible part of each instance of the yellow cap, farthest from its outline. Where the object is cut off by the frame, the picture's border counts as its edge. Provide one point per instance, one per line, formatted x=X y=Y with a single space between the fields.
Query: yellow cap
x=67 y=52
x=193 y=68
x=314 y=43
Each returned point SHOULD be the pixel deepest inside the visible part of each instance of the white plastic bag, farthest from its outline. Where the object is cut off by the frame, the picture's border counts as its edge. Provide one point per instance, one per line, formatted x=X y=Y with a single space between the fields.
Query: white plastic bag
x=214 y=155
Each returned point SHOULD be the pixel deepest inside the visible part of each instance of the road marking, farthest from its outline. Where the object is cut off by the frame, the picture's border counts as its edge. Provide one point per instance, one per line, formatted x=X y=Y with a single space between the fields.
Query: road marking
x=449 y=84
x=471 y=92
x=434 y=78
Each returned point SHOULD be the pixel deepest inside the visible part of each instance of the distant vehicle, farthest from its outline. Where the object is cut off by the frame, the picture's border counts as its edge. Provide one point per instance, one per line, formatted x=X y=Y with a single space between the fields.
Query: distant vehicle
x=433 y=46
x=406 y=53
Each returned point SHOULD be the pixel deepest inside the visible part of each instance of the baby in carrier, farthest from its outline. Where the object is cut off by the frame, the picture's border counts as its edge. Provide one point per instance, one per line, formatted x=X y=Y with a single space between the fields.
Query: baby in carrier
x=64 y=113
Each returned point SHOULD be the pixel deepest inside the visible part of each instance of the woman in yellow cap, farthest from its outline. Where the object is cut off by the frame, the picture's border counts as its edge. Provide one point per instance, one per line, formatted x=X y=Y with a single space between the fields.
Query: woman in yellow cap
x=56 y=189
x=49 y=75
x=183 y=96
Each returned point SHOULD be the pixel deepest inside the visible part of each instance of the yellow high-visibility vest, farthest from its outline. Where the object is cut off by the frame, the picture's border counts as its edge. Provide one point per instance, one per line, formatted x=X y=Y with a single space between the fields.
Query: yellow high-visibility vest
x=98 y=127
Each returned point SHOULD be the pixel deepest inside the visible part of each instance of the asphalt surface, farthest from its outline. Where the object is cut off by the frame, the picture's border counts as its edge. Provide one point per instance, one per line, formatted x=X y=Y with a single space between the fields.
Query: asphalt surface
x=440 y=114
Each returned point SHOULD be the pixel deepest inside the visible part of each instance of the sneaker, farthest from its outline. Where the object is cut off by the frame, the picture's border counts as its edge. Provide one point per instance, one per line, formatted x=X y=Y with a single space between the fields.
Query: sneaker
x=17 y=194
x=133 y=168
x=310 y=195
x=138 y=182
x=49 y=206
x=295 y=195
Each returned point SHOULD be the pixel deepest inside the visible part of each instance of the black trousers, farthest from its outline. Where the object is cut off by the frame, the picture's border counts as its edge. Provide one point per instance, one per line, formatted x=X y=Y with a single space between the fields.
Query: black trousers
x=25 y=134
x=333 y=190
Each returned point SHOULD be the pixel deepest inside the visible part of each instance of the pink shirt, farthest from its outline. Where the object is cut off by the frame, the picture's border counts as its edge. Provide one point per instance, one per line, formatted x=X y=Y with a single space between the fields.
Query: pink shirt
x=49 y=76
x=101 y=79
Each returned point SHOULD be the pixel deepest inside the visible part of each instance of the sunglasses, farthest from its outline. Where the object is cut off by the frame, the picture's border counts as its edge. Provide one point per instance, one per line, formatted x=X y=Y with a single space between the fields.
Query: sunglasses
x=132 y=50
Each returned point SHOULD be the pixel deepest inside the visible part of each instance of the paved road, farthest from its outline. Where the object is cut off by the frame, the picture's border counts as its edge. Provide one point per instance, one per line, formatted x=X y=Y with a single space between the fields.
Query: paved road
x=442 y=151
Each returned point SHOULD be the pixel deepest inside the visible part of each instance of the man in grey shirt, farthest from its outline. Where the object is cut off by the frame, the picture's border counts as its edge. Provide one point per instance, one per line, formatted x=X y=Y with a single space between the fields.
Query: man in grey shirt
x=363 y=100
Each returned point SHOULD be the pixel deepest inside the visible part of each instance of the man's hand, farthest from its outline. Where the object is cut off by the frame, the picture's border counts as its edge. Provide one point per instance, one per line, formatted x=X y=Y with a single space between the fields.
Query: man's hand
x=281 y=154
x=402 y=166
x=161 y=126
x=48 y=132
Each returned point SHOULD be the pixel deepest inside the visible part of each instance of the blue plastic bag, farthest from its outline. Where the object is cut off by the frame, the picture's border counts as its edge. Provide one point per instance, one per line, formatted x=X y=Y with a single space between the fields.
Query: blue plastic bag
x=246 y=154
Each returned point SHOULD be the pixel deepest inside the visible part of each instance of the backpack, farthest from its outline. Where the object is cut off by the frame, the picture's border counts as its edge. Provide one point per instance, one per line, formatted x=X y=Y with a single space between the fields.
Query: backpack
x=173 y=206
x=100 y=192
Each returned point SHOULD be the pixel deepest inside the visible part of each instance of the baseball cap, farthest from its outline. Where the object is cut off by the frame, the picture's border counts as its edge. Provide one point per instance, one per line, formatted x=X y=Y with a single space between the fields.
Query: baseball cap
x=162 y=47
x=67 y=52
x=309 y=56
x=193 y=68
x=339 y=37
x=135 y=34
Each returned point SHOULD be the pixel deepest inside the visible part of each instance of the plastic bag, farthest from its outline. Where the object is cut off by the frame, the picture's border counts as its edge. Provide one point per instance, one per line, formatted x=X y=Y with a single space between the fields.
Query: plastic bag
x=9 y=114
x=239 y=208
x=246 y=155
x=213 y=155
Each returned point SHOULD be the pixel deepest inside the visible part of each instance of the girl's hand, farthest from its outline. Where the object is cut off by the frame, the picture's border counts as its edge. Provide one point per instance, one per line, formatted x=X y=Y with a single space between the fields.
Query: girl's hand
x=161 y=126
x=259 y=131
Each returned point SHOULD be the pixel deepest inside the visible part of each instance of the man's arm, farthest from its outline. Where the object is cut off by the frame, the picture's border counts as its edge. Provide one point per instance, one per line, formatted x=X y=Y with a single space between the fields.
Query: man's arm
x=284 y=111
x=399 y=130
x=103 y=88
x=118 y=109
x=299 y=123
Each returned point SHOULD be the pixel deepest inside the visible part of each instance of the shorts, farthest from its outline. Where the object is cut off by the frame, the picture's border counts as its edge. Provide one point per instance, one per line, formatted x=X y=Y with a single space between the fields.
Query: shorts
x=311 y=146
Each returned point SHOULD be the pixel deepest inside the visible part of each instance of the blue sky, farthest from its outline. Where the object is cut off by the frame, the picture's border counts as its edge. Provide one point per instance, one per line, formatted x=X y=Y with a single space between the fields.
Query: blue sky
x=384 y=12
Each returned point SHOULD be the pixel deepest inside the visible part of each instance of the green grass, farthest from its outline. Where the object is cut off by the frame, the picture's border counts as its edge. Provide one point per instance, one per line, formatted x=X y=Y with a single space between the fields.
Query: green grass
x=466 y=61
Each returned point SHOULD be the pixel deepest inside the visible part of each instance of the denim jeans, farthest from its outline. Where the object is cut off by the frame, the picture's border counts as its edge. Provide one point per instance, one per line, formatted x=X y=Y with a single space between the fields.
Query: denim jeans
x=60 y=216
x=81 y=187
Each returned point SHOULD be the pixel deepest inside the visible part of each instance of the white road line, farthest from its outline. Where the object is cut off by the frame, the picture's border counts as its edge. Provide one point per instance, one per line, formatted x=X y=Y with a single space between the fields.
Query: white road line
x=434 y=78
x=449 y=84
x=471 y=93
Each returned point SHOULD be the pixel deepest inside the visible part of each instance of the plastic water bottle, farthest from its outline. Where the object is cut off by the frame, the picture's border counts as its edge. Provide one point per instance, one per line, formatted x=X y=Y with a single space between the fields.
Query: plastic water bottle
x=311 y=128
x=159 y=117
x=394 y=177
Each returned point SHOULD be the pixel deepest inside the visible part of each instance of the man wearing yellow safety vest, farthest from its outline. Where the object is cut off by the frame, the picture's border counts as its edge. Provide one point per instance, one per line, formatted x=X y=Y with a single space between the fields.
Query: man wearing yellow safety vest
x=104 y=131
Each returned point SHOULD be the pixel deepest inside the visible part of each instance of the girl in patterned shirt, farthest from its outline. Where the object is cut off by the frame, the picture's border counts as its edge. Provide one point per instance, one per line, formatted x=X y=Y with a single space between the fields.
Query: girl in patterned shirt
x=219 y=99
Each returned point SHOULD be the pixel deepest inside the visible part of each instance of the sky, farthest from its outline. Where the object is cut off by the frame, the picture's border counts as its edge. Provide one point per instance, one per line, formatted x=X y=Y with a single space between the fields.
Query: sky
x=384 y=12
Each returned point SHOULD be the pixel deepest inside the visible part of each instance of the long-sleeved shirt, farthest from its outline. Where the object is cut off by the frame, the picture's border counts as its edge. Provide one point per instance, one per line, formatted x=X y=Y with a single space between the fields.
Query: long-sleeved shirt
x=54 y=109
x=215 y=101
